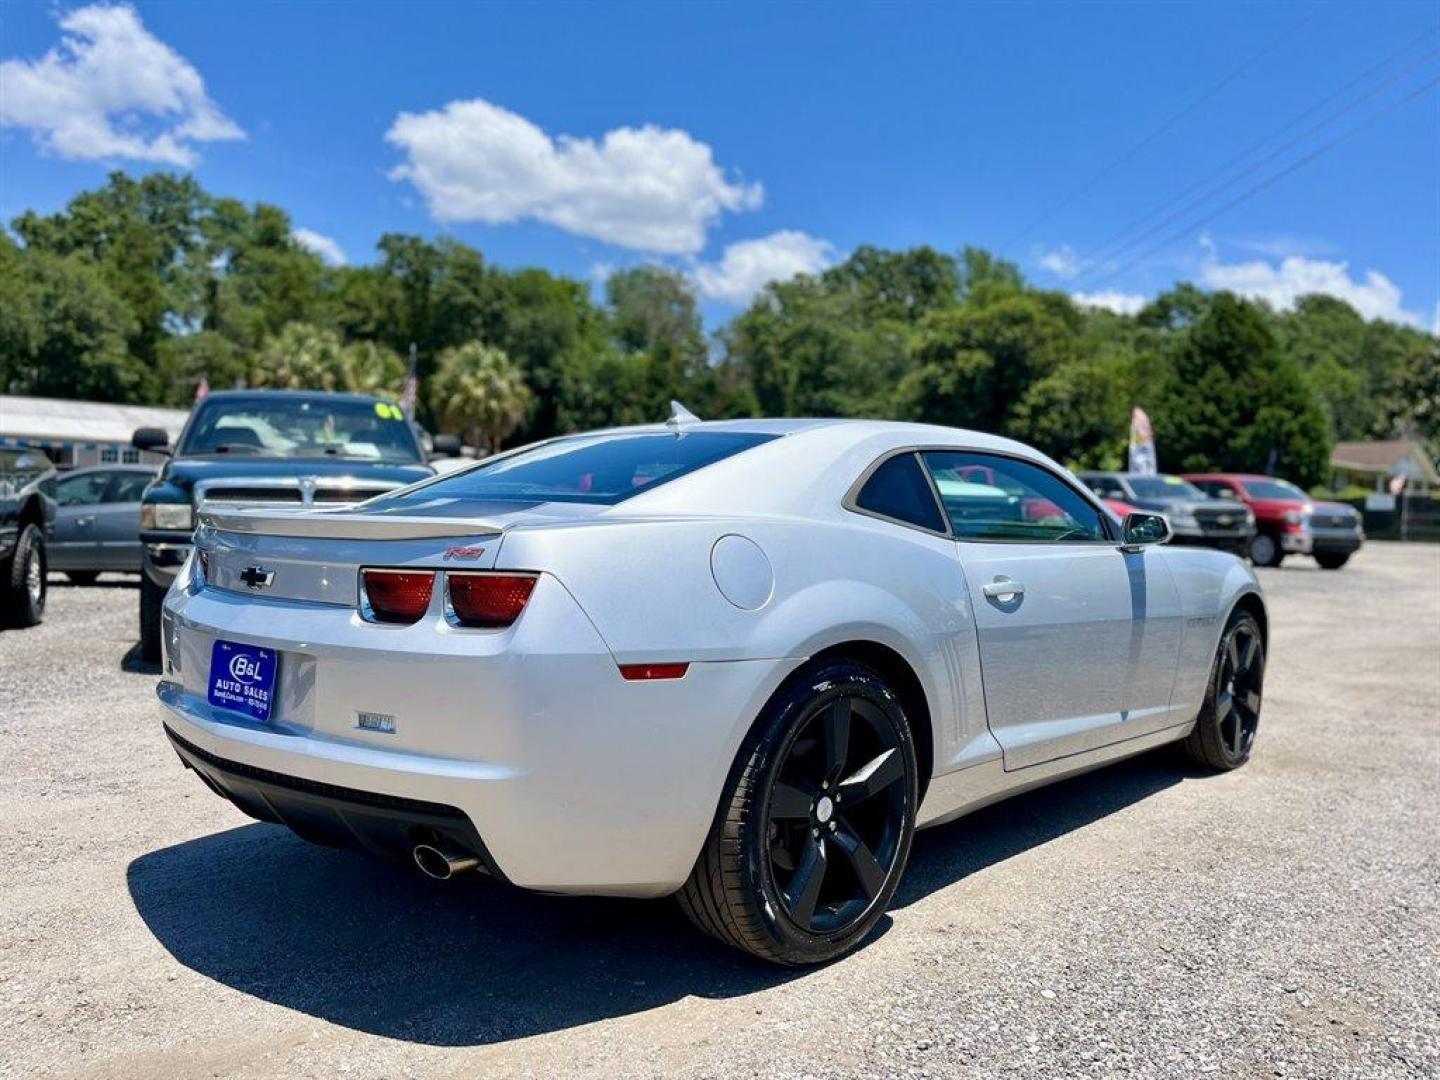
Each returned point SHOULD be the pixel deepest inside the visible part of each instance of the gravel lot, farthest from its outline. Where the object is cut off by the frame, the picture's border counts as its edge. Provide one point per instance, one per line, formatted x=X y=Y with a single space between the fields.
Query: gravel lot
x=1143 y=920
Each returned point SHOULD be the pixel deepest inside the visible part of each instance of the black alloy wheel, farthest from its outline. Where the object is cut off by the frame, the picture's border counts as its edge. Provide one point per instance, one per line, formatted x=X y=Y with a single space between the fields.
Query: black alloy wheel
x=1230 y=717
x=815 y=822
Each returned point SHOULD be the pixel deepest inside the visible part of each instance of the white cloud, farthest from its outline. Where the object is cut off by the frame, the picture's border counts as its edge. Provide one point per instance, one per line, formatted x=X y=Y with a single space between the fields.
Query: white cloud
x=648 y=188
x=1062 y=262
x=111 y=90
x=1282 y=284
x=1121 y=303
x=322 y=245
x=748 y=266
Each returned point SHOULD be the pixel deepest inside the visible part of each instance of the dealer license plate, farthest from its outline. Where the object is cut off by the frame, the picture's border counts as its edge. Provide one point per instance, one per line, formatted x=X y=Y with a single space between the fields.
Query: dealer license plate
x=242 y=678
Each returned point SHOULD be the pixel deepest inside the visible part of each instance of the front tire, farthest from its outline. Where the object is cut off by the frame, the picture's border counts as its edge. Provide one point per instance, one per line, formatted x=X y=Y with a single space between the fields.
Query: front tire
x=1230 y=716
x=1332 y=562
x=1265 y=550
x=23 y=587
x=151 y=597
x=815 y=822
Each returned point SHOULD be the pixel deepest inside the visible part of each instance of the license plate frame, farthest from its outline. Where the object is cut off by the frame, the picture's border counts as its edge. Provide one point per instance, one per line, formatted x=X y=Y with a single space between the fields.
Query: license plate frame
x=243 y=678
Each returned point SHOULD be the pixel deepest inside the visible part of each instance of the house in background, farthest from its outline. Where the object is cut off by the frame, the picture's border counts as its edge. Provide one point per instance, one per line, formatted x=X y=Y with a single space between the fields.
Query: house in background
x=76 y=433
x=1374 y=465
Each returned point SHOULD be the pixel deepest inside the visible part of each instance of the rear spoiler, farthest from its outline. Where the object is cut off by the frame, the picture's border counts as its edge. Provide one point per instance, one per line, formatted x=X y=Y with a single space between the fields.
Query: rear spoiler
x=344 y=524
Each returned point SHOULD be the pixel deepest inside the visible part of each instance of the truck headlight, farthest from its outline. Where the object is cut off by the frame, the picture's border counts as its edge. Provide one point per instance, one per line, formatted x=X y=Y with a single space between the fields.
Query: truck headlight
x=177 y=516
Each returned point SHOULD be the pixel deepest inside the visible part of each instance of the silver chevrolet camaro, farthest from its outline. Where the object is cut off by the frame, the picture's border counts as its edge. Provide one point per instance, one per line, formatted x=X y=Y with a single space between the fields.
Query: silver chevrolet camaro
x=737 y=661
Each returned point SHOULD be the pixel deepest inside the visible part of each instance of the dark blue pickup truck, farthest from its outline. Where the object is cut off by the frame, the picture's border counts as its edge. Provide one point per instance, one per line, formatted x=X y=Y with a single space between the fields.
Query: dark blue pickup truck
x=265 y=448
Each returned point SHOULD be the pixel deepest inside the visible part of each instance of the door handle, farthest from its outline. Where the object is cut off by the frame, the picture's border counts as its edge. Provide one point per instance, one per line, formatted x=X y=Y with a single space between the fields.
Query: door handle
x=1003 y=588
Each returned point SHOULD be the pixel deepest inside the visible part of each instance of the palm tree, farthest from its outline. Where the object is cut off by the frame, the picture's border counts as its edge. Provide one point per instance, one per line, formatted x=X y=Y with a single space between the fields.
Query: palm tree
x=306 y=357
x=479 y=392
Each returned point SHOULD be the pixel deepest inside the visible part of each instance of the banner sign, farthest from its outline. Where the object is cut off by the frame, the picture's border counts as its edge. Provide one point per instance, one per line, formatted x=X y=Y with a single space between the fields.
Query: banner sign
x=1142 y=443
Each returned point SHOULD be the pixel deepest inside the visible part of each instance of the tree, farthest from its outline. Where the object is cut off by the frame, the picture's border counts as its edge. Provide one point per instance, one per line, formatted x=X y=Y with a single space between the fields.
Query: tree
x=478 y=391
x=305 y=357
x=1236 y=401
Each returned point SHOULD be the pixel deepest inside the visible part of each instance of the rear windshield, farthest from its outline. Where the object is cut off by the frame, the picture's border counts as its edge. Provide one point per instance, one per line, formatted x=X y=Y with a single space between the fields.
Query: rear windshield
x=595 y=468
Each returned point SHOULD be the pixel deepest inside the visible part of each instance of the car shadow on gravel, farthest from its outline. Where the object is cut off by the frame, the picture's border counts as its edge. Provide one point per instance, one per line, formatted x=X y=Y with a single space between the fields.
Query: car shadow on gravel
x=378 y=948
x=943 y=855
x=340 y=936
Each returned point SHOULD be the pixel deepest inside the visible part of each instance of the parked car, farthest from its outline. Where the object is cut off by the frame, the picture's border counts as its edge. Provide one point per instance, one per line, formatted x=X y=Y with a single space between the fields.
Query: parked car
x=97 y=521
x=276 y=448
x=736 y=661
x=1288 y=521
x=1194 y=517
x=27 y=518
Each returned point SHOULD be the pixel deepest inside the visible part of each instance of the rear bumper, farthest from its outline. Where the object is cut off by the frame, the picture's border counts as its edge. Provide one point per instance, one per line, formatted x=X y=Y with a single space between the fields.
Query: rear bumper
x=383 y=825
x=576 y=779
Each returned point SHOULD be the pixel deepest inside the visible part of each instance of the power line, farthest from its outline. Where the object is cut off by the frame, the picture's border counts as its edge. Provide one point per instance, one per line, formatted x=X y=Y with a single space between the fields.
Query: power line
x=1270 y=181
x=1097 y=262
x=1234 y=74
x=1103 y=253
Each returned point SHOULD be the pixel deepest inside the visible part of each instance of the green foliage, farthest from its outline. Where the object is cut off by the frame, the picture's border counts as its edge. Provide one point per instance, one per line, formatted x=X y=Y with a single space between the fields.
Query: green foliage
x=139 y=289
x=1237 y=401
x=479 y=391
x=305 y=357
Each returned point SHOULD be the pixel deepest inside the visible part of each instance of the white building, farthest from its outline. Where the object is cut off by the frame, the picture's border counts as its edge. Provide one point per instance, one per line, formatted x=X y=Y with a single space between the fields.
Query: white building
x=75 y=433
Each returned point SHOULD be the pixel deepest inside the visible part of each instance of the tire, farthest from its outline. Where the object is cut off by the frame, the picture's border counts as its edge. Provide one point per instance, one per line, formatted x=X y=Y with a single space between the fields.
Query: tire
x=1225 y=730
x=1332 y=562
x=23 y=587
x=151 y=597
x=1265 y=550
x=83 y=577
x=773 y=824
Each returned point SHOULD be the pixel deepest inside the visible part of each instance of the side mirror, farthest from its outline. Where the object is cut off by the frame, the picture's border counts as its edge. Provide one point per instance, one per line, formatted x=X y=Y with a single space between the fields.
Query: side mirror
x=445 y=446
x=151 y=438
x=1140 y=530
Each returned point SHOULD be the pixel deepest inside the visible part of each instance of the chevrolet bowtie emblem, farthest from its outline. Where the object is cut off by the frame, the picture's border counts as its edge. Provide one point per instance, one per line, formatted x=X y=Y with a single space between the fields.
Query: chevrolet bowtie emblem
x=257 y=577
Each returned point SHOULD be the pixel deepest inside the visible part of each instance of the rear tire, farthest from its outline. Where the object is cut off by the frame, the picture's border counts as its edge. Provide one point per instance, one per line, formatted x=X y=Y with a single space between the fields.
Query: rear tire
x=1230 y=716
x=151 y=597
x=82 y=577
x=1332 y=562
x=23 y=587
x=799 y=872
x=1265 y=550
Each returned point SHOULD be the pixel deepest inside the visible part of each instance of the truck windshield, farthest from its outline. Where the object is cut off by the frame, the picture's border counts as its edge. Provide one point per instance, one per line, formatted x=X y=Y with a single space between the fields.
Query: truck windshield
x=1272 y=489
x=286 y=426
x=594 y=468
x=1163 y=487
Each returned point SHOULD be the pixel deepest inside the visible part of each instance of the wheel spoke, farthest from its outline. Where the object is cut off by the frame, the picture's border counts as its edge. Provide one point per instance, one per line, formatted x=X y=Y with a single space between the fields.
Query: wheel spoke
x=788 y=801
x=1238 y=739
x=1251 y=700
x=869 y=872
x=1224 y=704
x=837 y=737
x=872 y=777
x=1247 y=658
x=804 y=888
x=1232 y=653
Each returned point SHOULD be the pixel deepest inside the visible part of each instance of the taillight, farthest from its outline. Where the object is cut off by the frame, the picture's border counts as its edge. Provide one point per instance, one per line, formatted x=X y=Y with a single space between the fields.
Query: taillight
x=396 y=596
x=488 y=600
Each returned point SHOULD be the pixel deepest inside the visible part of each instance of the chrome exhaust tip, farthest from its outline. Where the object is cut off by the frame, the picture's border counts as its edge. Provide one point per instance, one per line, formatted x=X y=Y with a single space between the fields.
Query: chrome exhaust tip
x=443 y=863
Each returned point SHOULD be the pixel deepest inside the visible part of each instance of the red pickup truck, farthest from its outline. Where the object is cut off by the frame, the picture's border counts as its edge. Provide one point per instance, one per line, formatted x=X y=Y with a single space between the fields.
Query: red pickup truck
x=1287 y=521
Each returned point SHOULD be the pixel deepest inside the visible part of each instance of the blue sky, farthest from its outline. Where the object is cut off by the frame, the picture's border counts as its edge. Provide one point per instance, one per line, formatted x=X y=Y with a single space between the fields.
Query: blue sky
x=746 y=142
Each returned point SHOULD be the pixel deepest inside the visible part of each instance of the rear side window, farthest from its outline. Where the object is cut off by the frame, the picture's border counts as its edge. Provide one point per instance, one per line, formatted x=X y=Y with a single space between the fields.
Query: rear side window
x=899 y=489
x=593 y=468
x=129 y=486
x=988 y=497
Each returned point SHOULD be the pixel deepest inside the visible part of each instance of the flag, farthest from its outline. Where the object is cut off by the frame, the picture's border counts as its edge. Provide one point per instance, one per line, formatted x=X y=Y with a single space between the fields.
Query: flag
x=1142 y=443
x=1397 y=484
x=202 y=389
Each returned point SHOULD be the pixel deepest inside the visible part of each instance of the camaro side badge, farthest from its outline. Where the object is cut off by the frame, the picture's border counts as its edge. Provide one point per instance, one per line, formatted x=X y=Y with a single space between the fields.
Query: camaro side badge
x=463 y=552
x=257 y=577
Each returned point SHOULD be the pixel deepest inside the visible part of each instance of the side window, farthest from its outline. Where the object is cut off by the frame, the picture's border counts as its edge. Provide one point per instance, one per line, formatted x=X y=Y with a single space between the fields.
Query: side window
x=128 y=486
x=1020 y=501
x=898 y=489
x=86 y=489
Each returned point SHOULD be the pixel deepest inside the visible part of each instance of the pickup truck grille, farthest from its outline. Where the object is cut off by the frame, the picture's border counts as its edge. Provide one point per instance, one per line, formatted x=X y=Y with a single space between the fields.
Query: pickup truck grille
x=1220 y=520
x=290 y=491
x=1330 y=520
